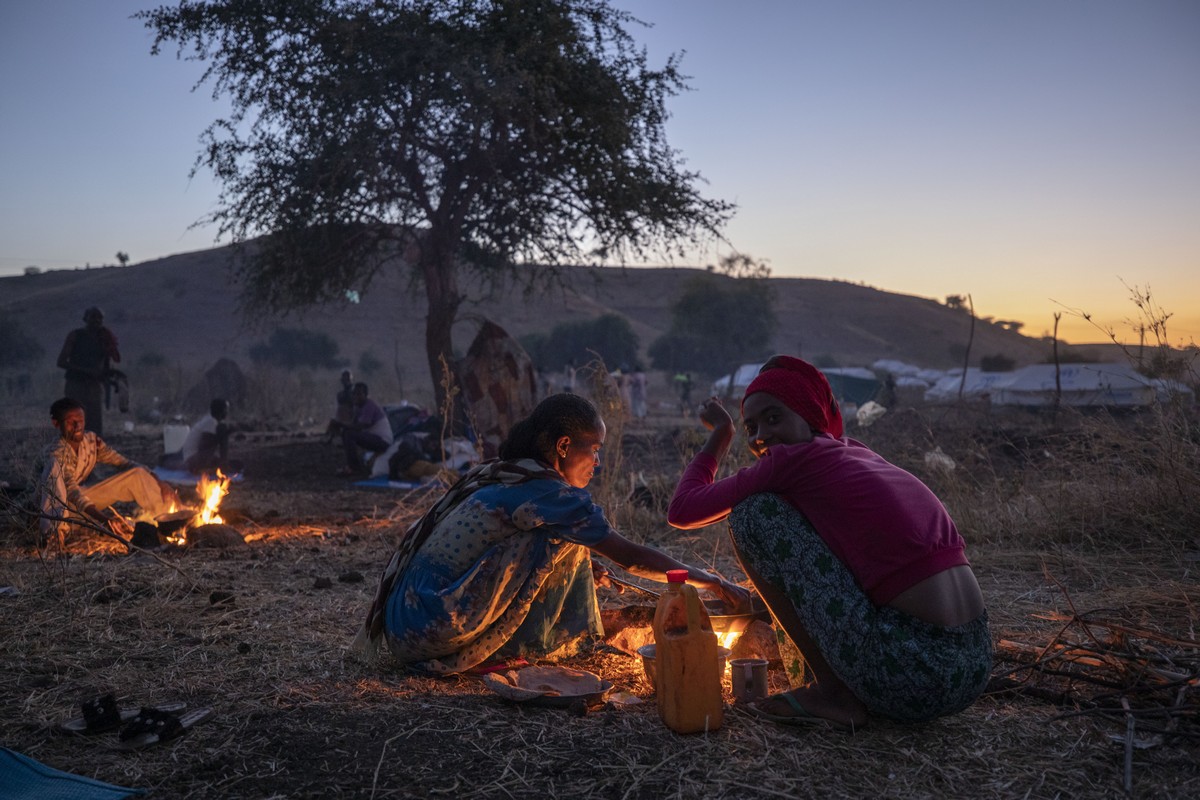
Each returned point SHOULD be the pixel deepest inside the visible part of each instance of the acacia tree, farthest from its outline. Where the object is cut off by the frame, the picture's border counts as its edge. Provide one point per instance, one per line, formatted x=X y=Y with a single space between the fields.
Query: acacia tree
x=445 y=134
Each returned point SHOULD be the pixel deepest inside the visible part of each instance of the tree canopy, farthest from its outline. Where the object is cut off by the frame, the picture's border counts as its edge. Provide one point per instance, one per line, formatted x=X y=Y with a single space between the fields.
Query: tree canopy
x=722 y=318
x=441 y=134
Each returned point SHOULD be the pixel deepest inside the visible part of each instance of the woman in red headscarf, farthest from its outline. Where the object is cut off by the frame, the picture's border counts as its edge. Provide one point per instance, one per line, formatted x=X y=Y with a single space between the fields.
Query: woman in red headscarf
x=856 y=558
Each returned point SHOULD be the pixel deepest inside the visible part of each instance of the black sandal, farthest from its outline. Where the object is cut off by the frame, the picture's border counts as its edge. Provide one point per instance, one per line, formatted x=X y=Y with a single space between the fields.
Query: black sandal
x=154 y=725
x=102 y=714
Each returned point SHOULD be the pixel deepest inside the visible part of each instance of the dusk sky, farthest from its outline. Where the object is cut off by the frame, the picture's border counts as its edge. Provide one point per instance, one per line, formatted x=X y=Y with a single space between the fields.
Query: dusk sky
x=1039 y=155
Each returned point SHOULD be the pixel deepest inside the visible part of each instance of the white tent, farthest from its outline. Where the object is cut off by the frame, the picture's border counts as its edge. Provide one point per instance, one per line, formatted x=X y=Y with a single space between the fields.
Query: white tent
x=897 y=368
x=1167 y=390
x=1112 y=385
x=742 y=377
x=976 y=384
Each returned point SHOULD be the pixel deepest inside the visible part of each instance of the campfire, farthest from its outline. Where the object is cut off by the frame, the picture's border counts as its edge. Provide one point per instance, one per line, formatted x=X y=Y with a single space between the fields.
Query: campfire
x=175 y=525
x=212 y=492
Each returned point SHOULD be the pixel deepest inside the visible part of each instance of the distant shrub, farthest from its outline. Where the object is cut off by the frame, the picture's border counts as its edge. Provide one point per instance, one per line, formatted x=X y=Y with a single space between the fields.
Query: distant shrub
x=708 y=309
x=610 y=336
x=294 y=347
x=997 y=363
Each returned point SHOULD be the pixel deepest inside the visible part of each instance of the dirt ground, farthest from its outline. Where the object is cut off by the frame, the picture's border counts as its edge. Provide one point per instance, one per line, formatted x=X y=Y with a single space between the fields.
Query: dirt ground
x=258 y=633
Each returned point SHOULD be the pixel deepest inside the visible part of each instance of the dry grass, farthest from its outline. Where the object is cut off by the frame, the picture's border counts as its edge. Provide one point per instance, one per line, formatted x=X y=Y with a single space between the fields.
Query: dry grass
x=1091 y=528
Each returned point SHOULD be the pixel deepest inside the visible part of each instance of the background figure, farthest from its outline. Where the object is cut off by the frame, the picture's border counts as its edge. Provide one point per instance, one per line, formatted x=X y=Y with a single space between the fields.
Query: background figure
x=370 y=430
x=683 y=384
x=568 y=380
x=343 y=411
x=637 y=392
x=206 y=448
x=87 y=355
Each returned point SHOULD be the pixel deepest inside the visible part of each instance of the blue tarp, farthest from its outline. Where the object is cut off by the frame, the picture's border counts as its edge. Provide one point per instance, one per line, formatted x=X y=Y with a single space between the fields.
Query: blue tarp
x=22 y=778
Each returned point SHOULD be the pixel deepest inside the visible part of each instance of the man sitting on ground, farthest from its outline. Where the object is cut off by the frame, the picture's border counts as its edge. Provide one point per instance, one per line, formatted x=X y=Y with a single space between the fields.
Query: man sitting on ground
x=370 y=431
x=206 y=448
x=70 y=461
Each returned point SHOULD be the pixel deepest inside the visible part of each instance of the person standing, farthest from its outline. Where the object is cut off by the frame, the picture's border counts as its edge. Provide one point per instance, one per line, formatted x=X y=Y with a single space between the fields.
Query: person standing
x=568 y=383
x=343 y=413
x=637 y=392
x=87 y=356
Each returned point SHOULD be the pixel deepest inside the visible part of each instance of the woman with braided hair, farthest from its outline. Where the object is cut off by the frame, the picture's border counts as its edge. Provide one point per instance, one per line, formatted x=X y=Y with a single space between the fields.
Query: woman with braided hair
x=857 y=559
x=501 y=567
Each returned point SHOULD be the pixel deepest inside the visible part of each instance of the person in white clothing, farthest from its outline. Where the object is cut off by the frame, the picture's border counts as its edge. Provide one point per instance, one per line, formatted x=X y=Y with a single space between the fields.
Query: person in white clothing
x=371 y=430
x=206 y=447
x=63 y=500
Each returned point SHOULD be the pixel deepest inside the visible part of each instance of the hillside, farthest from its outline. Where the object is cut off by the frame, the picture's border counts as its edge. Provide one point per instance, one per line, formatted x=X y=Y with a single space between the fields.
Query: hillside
x=184 y=308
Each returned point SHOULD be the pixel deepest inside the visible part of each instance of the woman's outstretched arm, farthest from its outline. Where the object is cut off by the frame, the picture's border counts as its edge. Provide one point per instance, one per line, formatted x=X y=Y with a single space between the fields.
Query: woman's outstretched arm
x=646 y=562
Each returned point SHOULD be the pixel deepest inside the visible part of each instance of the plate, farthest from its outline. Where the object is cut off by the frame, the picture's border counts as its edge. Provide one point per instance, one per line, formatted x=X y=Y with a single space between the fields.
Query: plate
x=556 y=687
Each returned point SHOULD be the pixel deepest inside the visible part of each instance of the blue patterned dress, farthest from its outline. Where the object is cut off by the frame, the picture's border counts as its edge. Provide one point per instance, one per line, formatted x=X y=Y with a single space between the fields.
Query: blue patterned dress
x=505 y=571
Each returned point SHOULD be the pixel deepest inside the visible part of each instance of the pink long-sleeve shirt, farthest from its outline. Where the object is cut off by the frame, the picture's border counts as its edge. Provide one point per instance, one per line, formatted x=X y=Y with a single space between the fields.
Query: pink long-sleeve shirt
x=883 y=523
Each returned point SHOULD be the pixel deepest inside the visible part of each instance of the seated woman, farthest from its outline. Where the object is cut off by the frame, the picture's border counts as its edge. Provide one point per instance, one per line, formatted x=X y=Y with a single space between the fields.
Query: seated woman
x=856 y=558
x=501 y=566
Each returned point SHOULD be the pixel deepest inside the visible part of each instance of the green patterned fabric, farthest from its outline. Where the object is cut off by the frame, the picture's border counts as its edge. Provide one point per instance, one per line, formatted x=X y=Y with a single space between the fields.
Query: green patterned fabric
x=899 y=666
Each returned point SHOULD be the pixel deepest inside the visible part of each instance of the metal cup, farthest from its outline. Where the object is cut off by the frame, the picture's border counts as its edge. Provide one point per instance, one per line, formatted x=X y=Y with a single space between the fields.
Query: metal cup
x=748 y=679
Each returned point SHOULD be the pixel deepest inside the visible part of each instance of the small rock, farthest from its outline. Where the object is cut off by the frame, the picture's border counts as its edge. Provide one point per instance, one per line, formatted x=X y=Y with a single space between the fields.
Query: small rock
x=352 y=576
x=220 y=598
x=109 y=594
x=322 y=583
x=215 y=535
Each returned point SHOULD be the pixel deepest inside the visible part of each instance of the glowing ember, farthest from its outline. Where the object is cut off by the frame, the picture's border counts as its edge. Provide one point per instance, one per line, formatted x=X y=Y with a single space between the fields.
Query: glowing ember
x=211 y=492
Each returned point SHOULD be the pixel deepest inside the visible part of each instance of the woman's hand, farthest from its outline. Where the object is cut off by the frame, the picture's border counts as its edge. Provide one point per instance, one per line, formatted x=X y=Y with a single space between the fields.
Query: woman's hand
x=714 y=416
x=720 y=424
x=600 y=577
x=736 y=599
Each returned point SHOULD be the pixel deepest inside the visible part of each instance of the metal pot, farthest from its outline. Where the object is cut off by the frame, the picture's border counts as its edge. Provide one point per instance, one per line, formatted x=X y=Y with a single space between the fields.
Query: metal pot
x=170 y=524
x=735 y=623
x=722 y=623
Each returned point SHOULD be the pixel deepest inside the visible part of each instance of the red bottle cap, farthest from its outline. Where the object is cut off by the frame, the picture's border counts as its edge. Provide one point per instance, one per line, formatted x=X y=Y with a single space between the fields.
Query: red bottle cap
x=677 y=576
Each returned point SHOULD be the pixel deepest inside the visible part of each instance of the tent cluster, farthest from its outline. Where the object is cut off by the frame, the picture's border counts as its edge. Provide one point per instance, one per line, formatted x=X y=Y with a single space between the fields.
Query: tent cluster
x=1037 y=385
x=1043 y=385
x=852 y=386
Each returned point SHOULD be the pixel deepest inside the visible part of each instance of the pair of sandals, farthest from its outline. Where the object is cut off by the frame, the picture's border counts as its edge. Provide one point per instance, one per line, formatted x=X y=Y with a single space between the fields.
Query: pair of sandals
x=138 y=727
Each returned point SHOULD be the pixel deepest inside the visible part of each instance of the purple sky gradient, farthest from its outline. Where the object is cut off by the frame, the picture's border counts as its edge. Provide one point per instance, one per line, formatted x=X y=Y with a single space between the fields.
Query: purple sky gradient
x=1039 y=155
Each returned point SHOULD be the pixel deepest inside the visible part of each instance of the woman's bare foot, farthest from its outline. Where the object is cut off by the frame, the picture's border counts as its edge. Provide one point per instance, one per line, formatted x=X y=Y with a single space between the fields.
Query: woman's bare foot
x=839 y=707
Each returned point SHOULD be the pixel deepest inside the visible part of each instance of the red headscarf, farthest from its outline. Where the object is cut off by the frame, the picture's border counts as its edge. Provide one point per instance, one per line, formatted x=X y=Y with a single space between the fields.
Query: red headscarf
x=804 y=389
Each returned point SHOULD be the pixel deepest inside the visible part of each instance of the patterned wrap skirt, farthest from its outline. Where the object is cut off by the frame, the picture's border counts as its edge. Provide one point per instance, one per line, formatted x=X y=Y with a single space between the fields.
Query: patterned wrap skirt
x=900 y=667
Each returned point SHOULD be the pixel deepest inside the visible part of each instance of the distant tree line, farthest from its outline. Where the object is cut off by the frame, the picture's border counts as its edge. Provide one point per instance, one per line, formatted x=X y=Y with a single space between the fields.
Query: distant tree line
x=722 y=318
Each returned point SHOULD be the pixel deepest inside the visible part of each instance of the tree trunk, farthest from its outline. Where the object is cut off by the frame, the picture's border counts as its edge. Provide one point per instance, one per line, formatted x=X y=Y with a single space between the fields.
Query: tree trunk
x=439 y=270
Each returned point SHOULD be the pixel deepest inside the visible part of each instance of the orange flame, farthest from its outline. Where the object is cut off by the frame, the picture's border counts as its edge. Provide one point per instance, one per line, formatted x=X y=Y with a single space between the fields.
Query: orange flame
x=211 y=493
x=727 y=639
